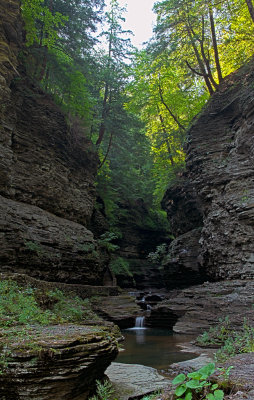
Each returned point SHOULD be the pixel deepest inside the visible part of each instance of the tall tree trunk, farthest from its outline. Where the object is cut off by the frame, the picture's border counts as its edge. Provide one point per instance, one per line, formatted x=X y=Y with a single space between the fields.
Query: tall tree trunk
x=108 y=150
x=205 y=58
x=250 y=8
x=102 y=128
x=200 y=62
x=215 y=46
x=166 y=138
x=175 y=118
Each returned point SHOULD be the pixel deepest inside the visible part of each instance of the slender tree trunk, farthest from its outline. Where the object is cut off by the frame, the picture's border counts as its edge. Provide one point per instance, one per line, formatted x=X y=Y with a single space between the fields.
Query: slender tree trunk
x=166 y=139
x=175 y=118
x=200 y=62
x=250 y=8
x=102 y=128
x=215 y=46
x=205 y=58
x=108 y=150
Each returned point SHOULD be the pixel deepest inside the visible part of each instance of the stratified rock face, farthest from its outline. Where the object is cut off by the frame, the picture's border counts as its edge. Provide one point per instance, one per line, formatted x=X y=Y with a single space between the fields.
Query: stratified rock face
x=61 y=362
x=220 y=171
x=193 y=310
x=47 y=171
x=44 y=246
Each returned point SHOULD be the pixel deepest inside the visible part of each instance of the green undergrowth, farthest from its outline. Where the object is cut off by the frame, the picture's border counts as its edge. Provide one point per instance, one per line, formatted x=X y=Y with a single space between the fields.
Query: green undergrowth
x=22 y=306
x=26 y=311
x=228 y=341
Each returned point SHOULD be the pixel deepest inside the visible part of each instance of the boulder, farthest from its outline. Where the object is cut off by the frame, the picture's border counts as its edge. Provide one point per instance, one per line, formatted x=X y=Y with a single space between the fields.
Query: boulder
x=134 y=381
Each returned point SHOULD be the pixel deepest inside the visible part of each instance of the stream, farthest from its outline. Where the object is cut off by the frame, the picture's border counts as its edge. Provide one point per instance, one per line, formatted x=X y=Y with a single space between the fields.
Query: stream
x=153 y=347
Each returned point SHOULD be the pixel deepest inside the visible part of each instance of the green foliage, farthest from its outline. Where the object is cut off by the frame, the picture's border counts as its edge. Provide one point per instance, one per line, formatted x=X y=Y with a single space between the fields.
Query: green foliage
x=231 y=342
x=216 y=335
x=159 y=253
x=120 y=266
x=71 y=309
x=19 y=306
x=106 y=239
x=104 y=391
x=41 y=24
x=196 y=385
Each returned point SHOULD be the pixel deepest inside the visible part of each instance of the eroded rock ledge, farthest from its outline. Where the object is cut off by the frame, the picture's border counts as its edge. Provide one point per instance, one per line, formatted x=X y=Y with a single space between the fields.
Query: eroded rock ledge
x=196 y=309
x=59 y=362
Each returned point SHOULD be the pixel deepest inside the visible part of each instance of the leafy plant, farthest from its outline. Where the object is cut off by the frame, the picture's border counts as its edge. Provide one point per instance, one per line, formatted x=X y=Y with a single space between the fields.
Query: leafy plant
x=196 y=385
x=120 y=266
x=159 y=253
x=103 y=391
x=217 y=334
x=106 y=239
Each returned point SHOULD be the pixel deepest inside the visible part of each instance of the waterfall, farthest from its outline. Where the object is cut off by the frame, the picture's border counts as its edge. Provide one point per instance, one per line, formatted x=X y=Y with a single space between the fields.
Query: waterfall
x=139 y=323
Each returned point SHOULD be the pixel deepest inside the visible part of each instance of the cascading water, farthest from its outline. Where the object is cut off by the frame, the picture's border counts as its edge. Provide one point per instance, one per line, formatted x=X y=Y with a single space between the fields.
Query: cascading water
x=140 y=322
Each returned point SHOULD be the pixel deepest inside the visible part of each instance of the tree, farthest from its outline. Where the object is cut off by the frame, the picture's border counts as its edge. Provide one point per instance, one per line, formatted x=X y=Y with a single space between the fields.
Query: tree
x=250 y=8
x=117 y=51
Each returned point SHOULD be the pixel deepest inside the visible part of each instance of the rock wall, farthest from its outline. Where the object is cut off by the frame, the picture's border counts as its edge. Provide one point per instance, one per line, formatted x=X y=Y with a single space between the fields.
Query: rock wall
x=215 y=197
x=47 y=172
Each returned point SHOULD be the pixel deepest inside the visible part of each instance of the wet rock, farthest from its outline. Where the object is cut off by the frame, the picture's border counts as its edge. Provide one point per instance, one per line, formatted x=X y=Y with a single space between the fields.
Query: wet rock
x=132 y=380
x=58 y=362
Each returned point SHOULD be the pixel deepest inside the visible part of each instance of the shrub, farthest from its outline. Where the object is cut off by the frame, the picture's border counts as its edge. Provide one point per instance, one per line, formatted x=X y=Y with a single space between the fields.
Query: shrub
x=159 y=253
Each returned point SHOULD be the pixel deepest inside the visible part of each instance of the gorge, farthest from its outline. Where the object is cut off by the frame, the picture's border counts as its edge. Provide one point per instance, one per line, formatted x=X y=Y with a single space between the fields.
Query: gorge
x=81 y=250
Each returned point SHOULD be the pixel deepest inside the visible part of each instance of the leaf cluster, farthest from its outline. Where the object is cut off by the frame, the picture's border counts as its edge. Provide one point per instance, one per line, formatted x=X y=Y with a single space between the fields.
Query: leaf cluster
x=196 y=385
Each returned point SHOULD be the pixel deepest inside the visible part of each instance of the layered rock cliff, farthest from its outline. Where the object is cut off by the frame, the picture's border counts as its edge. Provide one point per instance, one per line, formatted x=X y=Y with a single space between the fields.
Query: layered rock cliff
x=212 y=207
x=46 y=176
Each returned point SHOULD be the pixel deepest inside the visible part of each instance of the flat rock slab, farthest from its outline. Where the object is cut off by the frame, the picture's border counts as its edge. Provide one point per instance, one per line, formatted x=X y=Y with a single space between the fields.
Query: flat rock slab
x=133 y=380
